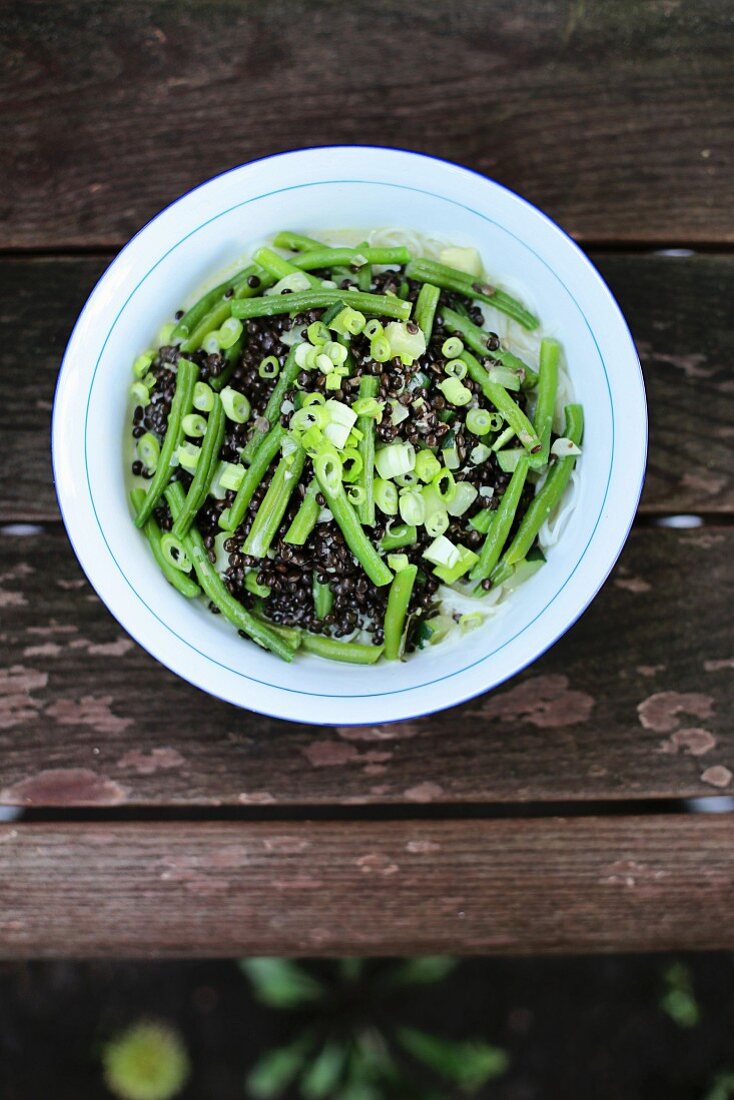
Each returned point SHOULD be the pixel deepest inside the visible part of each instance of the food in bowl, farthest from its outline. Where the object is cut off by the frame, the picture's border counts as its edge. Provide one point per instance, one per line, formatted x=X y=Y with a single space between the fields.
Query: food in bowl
x=357 y=445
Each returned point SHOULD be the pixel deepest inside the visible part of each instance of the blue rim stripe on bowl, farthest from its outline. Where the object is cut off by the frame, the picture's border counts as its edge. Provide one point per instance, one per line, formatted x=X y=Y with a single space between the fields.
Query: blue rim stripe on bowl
x=457 y=672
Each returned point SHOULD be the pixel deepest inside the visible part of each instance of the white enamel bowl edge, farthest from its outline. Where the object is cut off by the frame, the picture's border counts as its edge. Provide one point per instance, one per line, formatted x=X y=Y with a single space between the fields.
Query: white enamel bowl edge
x=208 y=229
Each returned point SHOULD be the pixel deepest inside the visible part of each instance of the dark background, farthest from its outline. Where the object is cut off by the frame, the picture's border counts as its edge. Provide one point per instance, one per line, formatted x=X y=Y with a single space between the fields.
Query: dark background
x=572 y=1028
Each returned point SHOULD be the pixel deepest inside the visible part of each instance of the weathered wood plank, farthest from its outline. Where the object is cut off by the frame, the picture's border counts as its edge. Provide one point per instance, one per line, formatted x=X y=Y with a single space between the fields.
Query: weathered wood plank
x=679 y=309
x=361 y=888
x=634 y=702
x=614 y=117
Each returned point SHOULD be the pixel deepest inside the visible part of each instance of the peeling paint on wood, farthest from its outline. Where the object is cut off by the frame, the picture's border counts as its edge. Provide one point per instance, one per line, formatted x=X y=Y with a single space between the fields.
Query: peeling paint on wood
x=718 y=776
x=560 y=730
x=696 y=742
x=146 y=763
x=91 y=710
x=423 y=792
x=65 y=787
x=661 y=711
x=544 y=701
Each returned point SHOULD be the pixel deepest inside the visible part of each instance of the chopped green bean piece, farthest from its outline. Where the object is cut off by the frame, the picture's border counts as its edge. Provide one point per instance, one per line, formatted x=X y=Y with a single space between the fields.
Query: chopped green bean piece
x=398 y=599
x=352 y=652
x=183 y=399
x=185 y=584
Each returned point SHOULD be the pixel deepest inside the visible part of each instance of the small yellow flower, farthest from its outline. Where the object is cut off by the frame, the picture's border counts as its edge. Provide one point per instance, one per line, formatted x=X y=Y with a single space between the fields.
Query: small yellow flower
x=146 y=1062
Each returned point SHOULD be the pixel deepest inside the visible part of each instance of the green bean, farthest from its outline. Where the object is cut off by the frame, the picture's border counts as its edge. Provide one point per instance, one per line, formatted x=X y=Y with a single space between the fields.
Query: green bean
x=199 y=310
x=381 y=305
x=398 y=599
x=398 y=536
x=215 y=589
x=185 y=584
x=482 y=521
x=221 y=308
x=232 y=517
x=548 y=497
x=354 y=534
x=280 y=268
x=503 y=403
x=503 y=518
x=368 y=387
x=546 y=402
x=425 y=309
x=295 y=242
x=269 y=515
x=291 y=635
x=286 y=379
x=315 y=259
x=323 y=598
x=353 y=652
x=231 y=357
x=450 y=278
x=205 y=469
x=364 y=275
x=182 y=404
x=476 y=338
x=305 y=518
x=333 y=311
x=211 y=321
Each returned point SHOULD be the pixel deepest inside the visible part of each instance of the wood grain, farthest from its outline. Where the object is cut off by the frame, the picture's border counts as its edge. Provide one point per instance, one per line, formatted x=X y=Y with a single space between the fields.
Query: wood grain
x=634 y=702
x=679 y=309
x=359 y=888
x=615 y=117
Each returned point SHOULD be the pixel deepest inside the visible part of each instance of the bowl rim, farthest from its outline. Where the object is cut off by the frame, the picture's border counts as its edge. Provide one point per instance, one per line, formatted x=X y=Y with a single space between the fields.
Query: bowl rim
x=464 y=692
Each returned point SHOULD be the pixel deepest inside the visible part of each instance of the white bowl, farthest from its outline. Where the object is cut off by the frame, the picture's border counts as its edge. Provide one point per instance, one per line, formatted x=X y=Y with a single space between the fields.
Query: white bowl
x=328 y=188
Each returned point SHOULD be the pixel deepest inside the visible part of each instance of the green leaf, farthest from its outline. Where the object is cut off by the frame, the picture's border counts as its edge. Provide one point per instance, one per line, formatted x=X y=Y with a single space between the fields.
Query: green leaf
x=280 y=983
x=422 y=971
x=679 y=1001
x=321 y=1077
x=350 y=970
x=273 y=1072
x=467 y=1064
x=722 y=1088
x=356 y=1091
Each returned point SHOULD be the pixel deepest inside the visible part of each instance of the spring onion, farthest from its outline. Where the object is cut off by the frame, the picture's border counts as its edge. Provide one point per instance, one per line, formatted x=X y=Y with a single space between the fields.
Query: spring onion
x=269 y=367
x=455 y=392
x=149 y=451
x=203 y=397
x=411 y=507
x=395 y=458
x=235 y=405
x=463 y=497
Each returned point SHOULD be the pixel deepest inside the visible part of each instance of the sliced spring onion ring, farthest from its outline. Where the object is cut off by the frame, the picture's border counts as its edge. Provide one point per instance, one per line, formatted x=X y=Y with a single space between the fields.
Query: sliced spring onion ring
x=269 y=367
x=203 y=397
x=149 y=451
x=194 y=425
x=236 y=405
x=395 y=458
x=229 y=333
x=175 y=553
x=386 y=496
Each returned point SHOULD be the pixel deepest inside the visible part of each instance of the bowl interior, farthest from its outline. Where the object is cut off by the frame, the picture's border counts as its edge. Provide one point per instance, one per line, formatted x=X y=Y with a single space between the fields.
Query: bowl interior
x=215 y=226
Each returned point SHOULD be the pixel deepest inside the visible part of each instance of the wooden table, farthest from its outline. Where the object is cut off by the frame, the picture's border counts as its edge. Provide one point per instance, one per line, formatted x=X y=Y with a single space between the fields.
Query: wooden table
x=546 y=816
